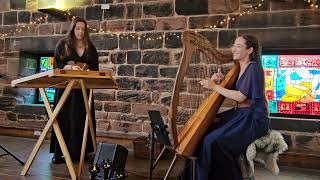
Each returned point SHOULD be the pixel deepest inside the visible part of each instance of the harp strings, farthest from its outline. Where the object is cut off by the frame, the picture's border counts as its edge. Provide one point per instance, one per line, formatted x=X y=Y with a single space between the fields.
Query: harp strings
x=201 y=68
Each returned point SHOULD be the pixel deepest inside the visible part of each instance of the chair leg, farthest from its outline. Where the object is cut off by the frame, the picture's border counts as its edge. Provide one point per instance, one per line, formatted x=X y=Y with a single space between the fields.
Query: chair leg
x=193 y=169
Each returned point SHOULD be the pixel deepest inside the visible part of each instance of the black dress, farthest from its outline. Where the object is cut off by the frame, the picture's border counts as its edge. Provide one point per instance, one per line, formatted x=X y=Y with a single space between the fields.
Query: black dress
x=71 y=118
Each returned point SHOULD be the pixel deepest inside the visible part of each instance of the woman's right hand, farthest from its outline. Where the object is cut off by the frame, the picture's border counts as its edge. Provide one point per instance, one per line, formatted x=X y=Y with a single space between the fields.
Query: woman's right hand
x=83 y=66
x=76 y=68
x=71 y=67
x=217 y=77
x=68 y=67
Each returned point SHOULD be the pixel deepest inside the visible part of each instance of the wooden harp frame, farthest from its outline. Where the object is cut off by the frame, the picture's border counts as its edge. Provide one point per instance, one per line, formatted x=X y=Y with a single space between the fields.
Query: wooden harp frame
x=185 y=142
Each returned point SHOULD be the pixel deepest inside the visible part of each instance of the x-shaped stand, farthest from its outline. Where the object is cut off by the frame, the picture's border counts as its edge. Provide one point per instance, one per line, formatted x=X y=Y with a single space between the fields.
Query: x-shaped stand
x=53 y=122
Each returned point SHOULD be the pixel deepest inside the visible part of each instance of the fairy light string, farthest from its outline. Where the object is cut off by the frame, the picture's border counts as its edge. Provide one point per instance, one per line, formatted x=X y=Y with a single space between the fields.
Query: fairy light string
x=254 y=5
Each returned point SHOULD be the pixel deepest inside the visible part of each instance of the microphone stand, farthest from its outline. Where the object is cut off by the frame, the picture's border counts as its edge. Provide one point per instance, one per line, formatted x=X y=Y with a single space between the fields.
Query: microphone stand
x=151 y=150
x=10 y=154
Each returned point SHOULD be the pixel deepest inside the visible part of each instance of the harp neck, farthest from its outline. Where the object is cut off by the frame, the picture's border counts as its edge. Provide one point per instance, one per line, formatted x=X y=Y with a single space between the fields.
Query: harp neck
x=191 y=42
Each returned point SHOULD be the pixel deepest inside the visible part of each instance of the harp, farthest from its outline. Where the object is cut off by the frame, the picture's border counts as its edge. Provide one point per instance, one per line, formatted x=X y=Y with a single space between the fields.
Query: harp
x=196 y=48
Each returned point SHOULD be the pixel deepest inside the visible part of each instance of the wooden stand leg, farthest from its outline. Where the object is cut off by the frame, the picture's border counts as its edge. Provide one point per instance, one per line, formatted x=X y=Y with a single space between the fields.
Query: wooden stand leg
x=59 y=135
x=52 y=121
x=193 y=159
x=88 y=123
x=171 y=166
x=87 y=104
x=158 y=158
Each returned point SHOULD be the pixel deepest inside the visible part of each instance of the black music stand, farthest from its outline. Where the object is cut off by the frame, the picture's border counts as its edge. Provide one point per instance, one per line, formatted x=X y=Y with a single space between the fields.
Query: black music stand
x=159 y=129
x=10 y=154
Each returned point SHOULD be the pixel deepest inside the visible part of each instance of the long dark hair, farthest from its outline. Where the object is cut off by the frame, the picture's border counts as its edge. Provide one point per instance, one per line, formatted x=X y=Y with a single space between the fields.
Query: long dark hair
x=70 y=38
x=252 y=42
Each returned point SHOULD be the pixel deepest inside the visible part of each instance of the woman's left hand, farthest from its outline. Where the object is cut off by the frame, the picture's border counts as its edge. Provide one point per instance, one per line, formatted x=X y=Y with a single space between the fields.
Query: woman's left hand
x=209 y=84
x=83 y=66
x=76 y=68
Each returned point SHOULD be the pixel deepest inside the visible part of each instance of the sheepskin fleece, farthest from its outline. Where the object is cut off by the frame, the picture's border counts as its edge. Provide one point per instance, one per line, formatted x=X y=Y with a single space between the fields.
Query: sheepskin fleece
x=264 y=150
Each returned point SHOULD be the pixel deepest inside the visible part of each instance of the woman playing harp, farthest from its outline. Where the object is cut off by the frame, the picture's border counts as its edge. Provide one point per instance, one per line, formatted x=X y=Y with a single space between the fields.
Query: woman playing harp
x=240 y=126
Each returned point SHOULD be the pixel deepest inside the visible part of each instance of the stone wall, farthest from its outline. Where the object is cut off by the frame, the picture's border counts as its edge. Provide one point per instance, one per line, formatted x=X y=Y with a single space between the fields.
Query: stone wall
x=142 y=39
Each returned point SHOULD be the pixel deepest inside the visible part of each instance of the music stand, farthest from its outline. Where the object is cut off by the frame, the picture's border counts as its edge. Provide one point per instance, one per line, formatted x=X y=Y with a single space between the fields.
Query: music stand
x=159 y=129
x=10 y=154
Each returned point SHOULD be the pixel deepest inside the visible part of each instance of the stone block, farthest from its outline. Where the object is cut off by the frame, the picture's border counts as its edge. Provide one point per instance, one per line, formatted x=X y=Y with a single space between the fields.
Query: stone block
x=134 y=57
x=147 y=71
x=151 y=41
x=104 y=95
x=158 y=9
x=46 y=29
x=184 y=7
x=134 y=96
x=10 y=18
x=24 y=17
x=77 y=11
x=115 y=12
x=142 y=109
x=145 y=25
x=129 y=83
x=18 y=4
x=125 y=70
x=39 y=17
x=128 y=41
x=208 y=22
x=226 y=38
x=222 y=6
x=155 y=57
x=168 y=71
x=119 y=25
x=126 y=127
x=165 y=85
x=134 y=11
x=105 y=41
x=212 y=37
x=94 y=12
x=117 y=107
x=118 y=58
x=173 y=40
x=98 y=106
x=171 y=23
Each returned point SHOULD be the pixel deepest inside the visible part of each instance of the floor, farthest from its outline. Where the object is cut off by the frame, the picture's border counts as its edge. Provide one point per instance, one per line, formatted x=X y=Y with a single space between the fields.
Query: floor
x=42 y=169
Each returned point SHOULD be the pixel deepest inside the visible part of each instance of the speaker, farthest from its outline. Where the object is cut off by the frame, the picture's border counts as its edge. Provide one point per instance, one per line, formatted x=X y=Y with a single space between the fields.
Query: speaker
x=110 y=159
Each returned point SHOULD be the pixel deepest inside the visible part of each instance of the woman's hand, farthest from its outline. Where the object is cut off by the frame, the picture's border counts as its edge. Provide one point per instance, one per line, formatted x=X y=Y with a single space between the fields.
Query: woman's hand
x=76 y=68
x=71 y=67
x=209 y=84
x=217 y=77
x=83 y=66
x=68 y=67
